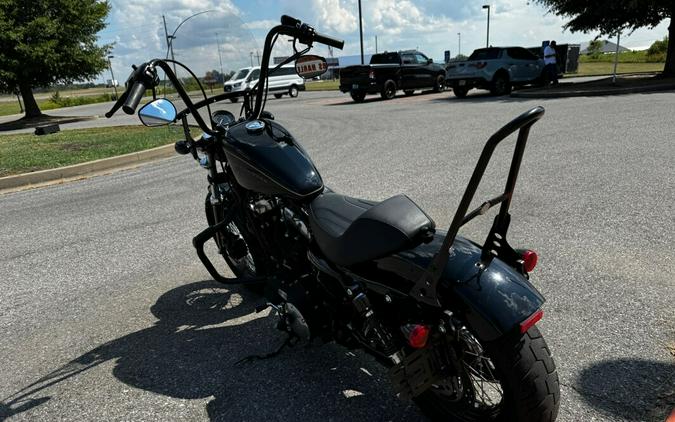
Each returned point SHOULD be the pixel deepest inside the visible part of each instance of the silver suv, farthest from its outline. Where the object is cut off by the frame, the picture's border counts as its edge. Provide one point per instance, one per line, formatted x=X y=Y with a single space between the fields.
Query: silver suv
x=495 y=68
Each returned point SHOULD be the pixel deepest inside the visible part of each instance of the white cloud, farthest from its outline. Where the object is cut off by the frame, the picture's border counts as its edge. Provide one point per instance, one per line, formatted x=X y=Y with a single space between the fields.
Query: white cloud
x=335 y=15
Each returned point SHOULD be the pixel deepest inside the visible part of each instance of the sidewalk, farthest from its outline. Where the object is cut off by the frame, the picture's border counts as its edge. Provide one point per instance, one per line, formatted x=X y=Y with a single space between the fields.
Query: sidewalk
x=625 y=84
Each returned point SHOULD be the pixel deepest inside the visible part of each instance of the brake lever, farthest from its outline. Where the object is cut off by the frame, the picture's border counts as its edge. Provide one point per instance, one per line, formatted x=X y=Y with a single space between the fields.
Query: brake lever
x=117 y=105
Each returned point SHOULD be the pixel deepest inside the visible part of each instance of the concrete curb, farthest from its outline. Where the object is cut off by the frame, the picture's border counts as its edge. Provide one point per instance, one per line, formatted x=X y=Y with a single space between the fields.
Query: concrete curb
x=62 y=174
x=592 y=93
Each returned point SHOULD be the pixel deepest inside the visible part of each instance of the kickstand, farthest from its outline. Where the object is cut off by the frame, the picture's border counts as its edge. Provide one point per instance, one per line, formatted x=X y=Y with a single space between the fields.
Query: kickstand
x=251 y=358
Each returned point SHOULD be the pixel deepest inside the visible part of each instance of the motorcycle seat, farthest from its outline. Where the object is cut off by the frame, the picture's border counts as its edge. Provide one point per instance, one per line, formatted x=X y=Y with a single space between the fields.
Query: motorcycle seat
x=350 y=231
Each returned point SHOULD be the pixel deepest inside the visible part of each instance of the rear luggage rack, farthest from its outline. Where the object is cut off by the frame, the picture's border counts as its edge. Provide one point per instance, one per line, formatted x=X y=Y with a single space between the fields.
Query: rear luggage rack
x=425 y=290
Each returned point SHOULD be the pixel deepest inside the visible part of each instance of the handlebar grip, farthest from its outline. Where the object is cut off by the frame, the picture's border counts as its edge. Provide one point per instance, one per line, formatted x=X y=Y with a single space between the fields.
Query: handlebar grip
x=325 y=39
x=135 y=94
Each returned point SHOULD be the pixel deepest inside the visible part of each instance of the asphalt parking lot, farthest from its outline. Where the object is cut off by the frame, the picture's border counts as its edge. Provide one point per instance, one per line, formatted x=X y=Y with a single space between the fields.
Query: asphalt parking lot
x=106 y=313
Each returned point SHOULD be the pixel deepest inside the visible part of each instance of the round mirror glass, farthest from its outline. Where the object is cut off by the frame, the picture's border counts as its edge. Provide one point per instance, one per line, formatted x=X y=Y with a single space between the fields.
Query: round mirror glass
x=310 y=66
x=157 y=113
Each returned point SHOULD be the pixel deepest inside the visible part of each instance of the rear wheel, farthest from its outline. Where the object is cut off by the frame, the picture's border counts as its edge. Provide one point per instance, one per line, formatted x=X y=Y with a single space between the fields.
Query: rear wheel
x=513 y=379
x=408 y=92
x=388 y=90
x=460 y=91
x=439 y=84
x=357 y=96
x=501 y=85
x=293 y=91
x=277 y=96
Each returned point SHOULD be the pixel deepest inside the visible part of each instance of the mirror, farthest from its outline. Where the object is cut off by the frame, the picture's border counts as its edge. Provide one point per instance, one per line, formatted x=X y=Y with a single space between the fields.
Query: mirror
x=157 y=113
x=308 y=67
x=222 y=118
x=429 y=61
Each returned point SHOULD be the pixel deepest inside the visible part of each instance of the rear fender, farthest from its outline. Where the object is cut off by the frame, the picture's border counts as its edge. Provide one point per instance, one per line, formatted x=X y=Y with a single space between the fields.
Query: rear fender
x=494 y=299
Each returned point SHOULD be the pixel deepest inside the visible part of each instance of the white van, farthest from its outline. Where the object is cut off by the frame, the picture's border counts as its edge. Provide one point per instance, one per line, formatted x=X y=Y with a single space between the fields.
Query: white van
x=284 y=81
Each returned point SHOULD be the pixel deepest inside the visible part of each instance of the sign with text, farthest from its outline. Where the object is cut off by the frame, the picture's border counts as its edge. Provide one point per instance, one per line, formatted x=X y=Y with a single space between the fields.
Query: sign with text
x=310 y=66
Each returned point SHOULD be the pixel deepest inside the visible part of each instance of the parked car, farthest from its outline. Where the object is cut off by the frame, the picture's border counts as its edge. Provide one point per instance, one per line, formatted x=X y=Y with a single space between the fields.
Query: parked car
x=495 y=68
x=390 y=72
x=284 y=80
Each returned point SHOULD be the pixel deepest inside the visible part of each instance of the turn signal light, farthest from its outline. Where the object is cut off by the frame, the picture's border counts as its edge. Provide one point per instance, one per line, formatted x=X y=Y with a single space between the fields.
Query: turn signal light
x=530 y=321
x=530 y=259
x=416 y=334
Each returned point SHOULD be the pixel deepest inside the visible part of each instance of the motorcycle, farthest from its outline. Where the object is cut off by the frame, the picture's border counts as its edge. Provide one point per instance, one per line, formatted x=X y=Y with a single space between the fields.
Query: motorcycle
x=453 y=320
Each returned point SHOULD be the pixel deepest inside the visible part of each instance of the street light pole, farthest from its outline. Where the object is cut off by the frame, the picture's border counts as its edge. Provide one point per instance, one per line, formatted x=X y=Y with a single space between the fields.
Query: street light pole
x=487 y=41
x=112 y=75
x=459 y=43
x=220 y=57
x=361 y=31
x=170 y=38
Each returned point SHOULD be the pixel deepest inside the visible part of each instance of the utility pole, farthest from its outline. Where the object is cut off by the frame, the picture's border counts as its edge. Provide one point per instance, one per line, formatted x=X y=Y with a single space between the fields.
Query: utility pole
x=487 y=41
x=459 y=43
x=112 y=75
x=257 y=54
x=616 y=56
x=375 y=44
x=361 y=31
x=251 y=55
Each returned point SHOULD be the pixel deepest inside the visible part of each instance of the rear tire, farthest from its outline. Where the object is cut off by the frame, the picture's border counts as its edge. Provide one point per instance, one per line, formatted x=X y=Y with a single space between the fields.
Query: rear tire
x=277 y=96
x=460 y=91
x=500 y=85
x=524 y=368
x=357 y=96
x=439 y=84
x=388 y=90
x=293 y=91
x=408 y=92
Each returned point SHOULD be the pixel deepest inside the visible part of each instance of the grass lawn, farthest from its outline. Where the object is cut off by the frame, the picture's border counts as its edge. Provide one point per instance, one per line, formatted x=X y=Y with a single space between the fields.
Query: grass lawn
x=27 y=152
x=322 y=85
x=606 y=68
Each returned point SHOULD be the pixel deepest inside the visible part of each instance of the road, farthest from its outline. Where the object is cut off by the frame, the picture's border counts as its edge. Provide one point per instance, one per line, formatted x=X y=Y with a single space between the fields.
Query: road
x=106 y=313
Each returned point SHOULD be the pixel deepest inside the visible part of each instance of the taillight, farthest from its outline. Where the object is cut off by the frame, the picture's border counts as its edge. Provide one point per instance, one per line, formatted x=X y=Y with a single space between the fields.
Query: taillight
x=529 y=322
x=416 y=334
x=371 y=74
x=530 y=259
x=481 y=65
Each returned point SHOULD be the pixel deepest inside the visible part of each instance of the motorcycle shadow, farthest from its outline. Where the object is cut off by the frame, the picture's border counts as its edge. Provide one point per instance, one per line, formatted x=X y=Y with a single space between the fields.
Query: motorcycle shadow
x=203 y=330
x=630 y=389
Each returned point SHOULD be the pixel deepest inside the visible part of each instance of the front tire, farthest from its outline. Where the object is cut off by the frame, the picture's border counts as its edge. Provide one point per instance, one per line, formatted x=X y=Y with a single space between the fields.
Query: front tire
x=234 y=100
x=277 y=96
x=439 y=84
x=408 y=92
x=293 y=91
x=524 y=370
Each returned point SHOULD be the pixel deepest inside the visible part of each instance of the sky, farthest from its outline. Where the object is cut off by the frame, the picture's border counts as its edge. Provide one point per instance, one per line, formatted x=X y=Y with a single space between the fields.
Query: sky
x=232 y=29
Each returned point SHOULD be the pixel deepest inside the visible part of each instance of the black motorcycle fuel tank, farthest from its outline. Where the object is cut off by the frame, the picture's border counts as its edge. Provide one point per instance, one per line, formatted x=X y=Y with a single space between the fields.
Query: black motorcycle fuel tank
x=266 y=158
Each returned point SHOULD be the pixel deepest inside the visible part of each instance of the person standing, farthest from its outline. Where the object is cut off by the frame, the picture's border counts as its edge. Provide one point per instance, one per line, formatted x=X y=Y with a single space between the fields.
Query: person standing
x=550 y=63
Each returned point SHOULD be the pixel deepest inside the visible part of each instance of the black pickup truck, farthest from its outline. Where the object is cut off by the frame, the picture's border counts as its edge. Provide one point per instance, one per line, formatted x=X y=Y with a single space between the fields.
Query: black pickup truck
x=389 y=72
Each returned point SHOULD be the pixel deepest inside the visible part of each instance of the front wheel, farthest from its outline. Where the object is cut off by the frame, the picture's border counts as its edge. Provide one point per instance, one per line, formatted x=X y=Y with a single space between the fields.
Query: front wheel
x=408 y=92
x=501 y=85
x=293 y=91
x=439 y=83
x=277 y=96
x=512 y=379
x=234 y=100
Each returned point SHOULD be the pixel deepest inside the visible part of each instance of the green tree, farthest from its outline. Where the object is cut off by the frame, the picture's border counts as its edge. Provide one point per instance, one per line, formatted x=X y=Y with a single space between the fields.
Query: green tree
x=594 y=48
x=611 y=16
x=43 y=42
x=657 y=51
